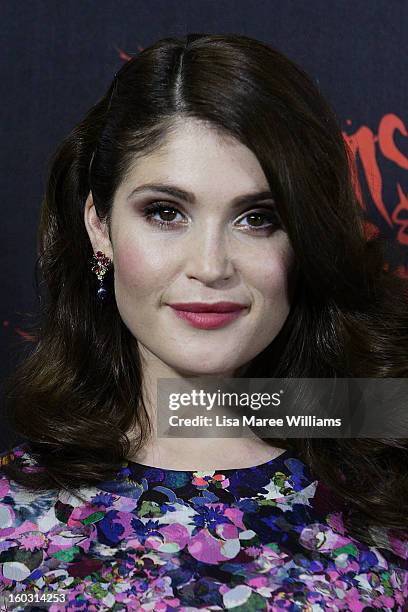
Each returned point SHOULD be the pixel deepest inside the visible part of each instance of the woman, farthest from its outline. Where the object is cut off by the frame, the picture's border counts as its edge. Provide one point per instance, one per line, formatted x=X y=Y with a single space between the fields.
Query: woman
x=211 y=171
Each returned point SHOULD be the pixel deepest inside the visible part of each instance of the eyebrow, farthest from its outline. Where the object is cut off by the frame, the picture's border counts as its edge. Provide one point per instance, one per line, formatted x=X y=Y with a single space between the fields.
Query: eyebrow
x=189 y=197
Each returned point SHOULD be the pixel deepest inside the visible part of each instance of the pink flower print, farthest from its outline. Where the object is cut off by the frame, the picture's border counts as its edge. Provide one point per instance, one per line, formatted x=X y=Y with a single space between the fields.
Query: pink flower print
x=21 y=529
x=175 y=537
x=205 y=547
x=258 y=582
x=322 y=538
x=32 y=540
x=253 y=551
x=80 y=513
x=352 y=599
x=235 y=516
x=62 y=541
x=227 y=531
x=125 y=520
x=386 y=602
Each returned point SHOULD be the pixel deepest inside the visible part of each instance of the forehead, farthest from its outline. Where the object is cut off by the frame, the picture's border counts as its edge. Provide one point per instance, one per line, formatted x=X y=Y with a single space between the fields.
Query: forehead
x=197 y=155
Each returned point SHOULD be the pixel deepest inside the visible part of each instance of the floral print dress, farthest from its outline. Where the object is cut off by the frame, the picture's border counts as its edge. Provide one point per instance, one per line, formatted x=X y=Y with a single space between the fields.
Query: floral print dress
x=260 y=538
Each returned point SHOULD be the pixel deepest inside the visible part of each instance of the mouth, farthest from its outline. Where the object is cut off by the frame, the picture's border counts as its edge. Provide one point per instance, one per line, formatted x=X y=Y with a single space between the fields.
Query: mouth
x=205 y=319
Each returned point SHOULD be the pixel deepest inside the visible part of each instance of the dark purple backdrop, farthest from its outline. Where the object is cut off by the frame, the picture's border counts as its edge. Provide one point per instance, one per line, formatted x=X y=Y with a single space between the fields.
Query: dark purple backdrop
x=59 y=57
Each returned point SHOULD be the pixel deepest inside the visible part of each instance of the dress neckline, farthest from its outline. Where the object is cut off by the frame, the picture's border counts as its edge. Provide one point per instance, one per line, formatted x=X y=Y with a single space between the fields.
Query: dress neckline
x=145 y=468
x=286 y=474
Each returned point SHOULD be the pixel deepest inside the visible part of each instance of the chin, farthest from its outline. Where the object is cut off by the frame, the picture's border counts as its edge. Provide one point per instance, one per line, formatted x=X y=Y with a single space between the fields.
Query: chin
x=202 y=370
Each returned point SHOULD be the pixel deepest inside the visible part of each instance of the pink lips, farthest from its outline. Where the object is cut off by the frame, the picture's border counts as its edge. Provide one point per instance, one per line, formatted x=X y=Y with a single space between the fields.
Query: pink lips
x=208 y=316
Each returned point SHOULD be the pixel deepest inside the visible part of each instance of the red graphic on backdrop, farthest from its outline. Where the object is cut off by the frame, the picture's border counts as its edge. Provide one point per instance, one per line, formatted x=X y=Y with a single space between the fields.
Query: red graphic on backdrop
x=365 y=146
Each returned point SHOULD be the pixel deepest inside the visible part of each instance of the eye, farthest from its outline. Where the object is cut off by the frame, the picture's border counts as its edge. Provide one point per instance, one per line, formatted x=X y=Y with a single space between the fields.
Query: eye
x=256 y=220
x=166 y=212
x=167 y=218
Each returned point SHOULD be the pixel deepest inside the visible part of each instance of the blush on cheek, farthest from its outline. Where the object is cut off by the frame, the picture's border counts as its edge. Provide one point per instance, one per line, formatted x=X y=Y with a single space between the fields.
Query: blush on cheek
x=127 y=250
x=139 y=273
x=274 y=276
x=130 y=275
x=131 y=262
x=281 y=273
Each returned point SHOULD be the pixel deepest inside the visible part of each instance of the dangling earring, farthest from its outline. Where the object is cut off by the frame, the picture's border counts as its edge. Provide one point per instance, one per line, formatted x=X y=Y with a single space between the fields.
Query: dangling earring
x=100 y=265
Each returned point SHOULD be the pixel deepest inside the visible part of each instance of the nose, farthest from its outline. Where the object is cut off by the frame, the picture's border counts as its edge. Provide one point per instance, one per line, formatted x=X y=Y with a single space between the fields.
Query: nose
x=209 y=256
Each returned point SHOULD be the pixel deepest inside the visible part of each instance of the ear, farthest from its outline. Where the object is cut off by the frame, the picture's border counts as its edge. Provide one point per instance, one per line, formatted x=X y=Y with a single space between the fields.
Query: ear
x=97 y=229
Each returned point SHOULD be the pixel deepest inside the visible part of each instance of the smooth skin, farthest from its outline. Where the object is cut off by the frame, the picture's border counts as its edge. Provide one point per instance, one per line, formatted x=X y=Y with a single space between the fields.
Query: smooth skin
x=213 y=249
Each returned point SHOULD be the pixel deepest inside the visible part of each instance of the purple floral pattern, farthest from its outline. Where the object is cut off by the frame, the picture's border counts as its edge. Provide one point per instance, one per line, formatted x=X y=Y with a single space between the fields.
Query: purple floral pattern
x=262 y=538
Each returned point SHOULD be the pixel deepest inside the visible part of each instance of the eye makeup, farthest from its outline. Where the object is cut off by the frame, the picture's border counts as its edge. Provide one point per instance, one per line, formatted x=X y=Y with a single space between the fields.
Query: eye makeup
x=160 y=207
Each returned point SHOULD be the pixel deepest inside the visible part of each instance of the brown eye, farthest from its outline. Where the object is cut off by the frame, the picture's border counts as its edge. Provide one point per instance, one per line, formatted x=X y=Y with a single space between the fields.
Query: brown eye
x=259 y=221
x=258 y=217
x=162 y=215
x=166 y=213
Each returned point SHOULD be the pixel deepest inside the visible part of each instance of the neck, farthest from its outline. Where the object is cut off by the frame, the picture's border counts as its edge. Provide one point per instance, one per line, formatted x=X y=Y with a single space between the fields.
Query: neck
x=199 y=453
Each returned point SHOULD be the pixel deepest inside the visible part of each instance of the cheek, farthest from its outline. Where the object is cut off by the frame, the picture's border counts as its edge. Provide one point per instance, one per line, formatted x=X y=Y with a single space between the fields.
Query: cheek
x=275 y=276
x=138 y=268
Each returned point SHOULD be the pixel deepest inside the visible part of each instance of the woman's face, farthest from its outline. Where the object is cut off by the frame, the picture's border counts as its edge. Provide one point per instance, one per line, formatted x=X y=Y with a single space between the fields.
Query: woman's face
x=216 y=243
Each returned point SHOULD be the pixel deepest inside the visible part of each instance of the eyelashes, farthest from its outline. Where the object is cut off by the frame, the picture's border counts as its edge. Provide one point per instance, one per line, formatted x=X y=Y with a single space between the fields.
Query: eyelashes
x=169 y=224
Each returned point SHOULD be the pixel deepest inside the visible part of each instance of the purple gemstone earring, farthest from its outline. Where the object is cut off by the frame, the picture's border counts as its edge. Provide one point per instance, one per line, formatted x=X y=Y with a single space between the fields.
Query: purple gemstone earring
x=100 y=265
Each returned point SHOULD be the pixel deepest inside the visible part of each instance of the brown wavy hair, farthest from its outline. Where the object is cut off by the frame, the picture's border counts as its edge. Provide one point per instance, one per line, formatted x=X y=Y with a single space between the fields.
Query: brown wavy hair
x=78 y=393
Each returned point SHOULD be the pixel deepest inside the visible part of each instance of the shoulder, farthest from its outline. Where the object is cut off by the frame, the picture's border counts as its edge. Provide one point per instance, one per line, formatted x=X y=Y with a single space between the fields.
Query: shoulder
x=21 y=509
x=388 y=548
x=17 y=457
